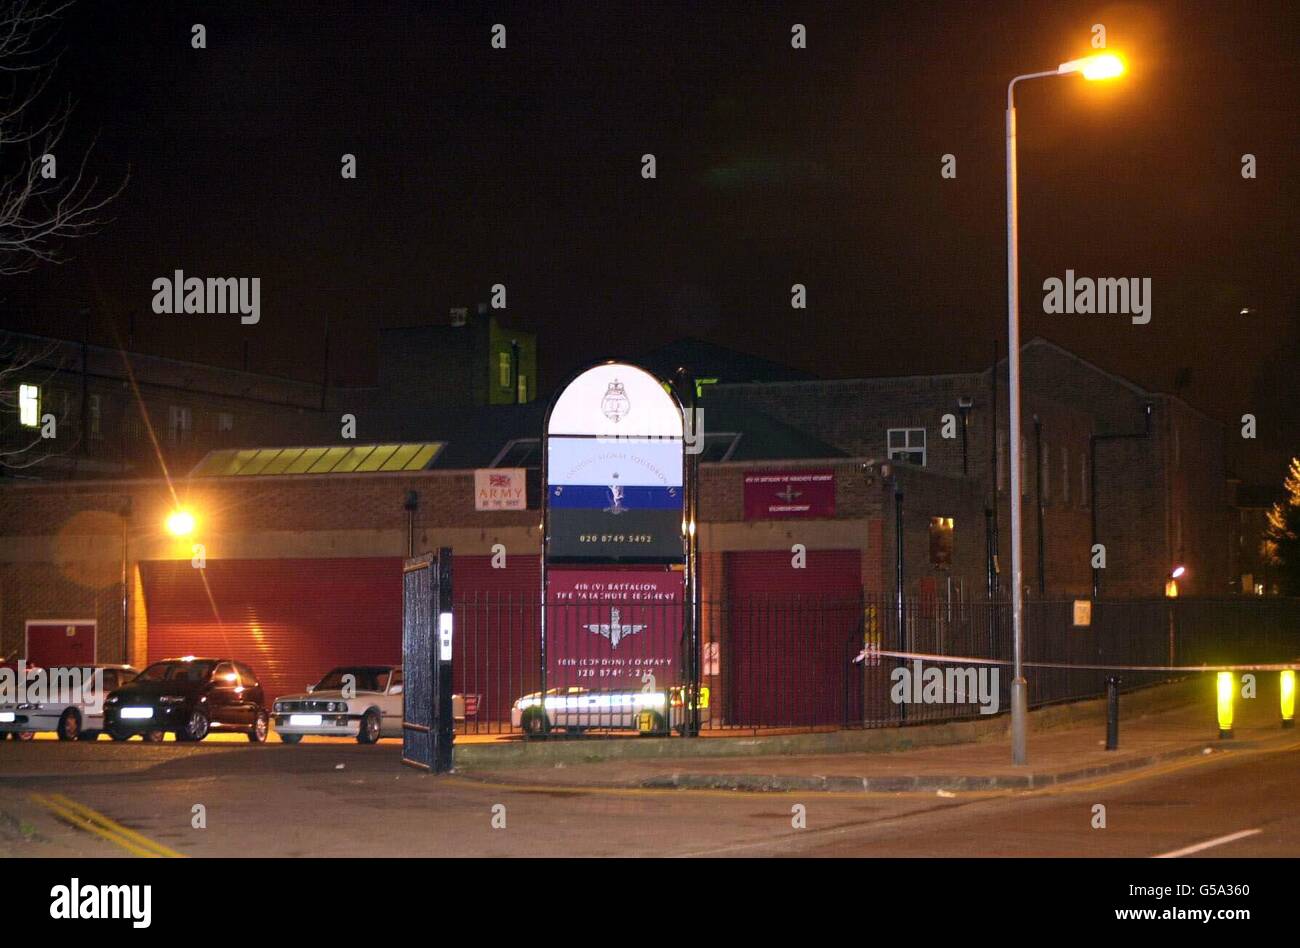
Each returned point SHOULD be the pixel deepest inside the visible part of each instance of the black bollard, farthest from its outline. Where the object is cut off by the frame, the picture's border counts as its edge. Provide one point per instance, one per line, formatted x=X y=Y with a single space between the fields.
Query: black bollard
x=1112 y=712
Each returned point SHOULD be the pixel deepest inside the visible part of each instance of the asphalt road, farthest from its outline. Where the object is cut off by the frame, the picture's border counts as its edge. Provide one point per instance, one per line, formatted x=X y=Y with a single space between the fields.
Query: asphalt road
x=340 y=799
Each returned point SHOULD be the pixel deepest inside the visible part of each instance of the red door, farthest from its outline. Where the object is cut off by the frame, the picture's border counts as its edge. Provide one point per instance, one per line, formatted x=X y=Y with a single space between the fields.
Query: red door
x=61 y=643
x=290 y=620
x=792 y=635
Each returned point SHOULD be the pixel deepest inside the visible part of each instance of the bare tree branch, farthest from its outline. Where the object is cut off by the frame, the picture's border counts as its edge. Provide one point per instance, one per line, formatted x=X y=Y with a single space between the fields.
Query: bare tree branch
x=37 y=214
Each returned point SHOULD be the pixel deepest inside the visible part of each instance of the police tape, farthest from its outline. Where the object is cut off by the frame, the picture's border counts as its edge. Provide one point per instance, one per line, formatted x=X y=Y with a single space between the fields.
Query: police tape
x=970 y=660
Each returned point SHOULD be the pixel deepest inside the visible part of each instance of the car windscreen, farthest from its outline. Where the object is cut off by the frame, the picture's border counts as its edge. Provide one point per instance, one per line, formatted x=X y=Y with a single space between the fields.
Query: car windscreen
x=363 y=679
x=176 y=671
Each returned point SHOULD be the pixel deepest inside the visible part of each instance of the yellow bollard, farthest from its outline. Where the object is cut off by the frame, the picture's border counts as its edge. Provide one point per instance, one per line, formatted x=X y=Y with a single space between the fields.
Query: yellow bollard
x=1288 y=697
x=1226 y=686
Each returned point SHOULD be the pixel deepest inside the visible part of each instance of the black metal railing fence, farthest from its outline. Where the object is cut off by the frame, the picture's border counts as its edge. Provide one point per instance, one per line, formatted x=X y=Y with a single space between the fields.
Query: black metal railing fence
x=812 y=662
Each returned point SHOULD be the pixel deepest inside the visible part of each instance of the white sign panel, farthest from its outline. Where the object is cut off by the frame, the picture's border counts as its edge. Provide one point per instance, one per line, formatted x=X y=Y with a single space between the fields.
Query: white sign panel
x=616 y=400
x=500 y=488
x=625 y=462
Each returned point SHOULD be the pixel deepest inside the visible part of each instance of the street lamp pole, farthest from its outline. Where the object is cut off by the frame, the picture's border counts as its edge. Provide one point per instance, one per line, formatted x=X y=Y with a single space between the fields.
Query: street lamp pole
x=1103 y=66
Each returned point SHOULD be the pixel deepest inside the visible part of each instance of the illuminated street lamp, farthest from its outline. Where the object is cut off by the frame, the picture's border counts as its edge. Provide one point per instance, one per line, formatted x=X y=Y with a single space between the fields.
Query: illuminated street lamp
x=180 y=523
x=1100 y=66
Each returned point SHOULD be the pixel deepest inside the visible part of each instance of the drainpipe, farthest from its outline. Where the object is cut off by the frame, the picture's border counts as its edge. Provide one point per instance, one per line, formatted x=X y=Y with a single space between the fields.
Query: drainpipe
x=1093 y=442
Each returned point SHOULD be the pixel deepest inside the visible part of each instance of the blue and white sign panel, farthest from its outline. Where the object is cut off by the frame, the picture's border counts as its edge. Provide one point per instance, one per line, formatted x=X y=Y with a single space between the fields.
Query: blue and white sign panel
x=614 y=465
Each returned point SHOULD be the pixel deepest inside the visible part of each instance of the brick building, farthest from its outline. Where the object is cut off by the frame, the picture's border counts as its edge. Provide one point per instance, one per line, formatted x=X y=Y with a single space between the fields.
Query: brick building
x=1162 y=497
x=301 y=569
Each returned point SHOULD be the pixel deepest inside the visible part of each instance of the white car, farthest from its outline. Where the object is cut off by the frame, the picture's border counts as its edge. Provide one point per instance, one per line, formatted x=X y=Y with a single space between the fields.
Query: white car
x=360 y=701
x=577 y=709
x=74 y=717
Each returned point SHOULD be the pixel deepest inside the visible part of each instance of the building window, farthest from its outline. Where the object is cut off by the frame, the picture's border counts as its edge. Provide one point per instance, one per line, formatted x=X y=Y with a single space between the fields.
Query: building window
x=180 y=422
x=521 y=452
x=521 y=395
x=225 y=421
x=906 y=444
x=1065 y=475
x=503 y=369
x=719 y=445
x=93 y=414
x=29 y=406
x=941 y=536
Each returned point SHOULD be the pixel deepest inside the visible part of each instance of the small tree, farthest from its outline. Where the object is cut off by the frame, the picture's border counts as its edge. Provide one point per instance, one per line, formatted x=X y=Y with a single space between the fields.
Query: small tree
x=1282 y=535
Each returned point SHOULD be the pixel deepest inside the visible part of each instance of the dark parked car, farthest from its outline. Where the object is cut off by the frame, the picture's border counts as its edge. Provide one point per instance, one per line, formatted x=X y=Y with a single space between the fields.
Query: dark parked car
x=190 y=697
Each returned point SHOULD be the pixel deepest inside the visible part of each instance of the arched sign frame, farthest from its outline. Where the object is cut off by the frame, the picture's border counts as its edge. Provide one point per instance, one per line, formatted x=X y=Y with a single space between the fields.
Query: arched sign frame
x=688 y=559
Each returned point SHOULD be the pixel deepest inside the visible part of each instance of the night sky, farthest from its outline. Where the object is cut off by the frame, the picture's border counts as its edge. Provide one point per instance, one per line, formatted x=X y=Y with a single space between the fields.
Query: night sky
x=775 y=166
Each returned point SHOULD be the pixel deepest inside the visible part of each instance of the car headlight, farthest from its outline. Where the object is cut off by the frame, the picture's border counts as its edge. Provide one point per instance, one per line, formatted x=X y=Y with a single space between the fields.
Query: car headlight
x=30 y=706
x=112 y=699
x=171 y=699
x=337 y=706
x=279 y=706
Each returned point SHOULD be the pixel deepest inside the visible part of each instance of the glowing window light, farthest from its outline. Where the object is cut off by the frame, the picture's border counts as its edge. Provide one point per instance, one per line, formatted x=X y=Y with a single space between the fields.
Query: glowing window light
x=29 y=406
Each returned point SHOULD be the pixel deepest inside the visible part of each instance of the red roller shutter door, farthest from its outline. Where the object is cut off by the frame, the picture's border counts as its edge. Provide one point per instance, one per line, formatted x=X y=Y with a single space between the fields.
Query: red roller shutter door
x=292 y=620
x=792 y=635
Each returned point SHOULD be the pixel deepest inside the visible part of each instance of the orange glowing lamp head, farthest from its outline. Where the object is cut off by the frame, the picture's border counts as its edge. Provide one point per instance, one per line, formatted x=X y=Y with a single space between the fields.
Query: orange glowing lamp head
x=1100 y=66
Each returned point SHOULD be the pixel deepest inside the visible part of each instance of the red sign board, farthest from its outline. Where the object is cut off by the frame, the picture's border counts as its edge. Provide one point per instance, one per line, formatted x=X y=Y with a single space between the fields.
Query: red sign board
x=606 y=629
x=781 y=495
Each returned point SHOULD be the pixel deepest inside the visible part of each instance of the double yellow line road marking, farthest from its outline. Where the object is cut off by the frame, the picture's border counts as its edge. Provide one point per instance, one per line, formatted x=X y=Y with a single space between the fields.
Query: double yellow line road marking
x=83 y=817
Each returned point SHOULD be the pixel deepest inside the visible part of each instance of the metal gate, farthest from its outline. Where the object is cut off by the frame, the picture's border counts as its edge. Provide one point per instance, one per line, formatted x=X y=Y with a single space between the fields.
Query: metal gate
x=427 y=724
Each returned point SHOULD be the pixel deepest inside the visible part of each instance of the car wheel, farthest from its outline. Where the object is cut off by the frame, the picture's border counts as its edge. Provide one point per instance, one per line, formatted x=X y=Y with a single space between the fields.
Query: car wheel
x=119 y=735
x=290 y=738
x=91 y=736
x=196 y=728
x=534 y=723
x=258 y=734
x=69 y=725
x=155 y=736
x=24 y=735
x=368 y=733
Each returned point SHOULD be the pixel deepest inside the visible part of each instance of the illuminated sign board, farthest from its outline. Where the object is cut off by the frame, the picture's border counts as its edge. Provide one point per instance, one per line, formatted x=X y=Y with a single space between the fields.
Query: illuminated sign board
x=614 y=470
x=615 y=499
x=606 y=629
